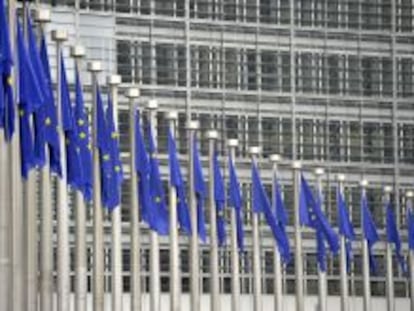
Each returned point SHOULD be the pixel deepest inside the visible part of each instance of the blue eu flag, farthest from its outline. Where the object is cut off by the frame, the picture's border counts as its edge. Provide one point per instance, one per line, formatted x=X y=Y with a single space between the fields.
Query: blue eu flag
x=84 y=145
x=200 y=191
x=346 y=228
x=158 y=205
x=261 y=204
x=176 y=180
x=370 y=231
x=393 y=236
x=220 y=199
x=236 y=201
x=410 y=225
x=7 y=109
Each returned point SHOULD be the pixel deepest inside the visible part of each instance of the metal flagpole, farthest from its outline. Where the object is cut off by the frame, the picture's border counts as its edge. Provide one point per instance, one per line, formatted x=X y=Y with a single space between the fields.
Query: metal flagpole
x=174 y=247
x=343 y=258
x=78 y=52
x=365 y=260
x=277 y=263
x=154 y=240
x=409 y=205
x=46 y=223
x=212 y=136
x=300 y=305
x=235 y=268
x=194 y=255
x=322 y=283
x=116 y=253
x=59 y=36
x=257 y=275
x=133 y=94
x=390 y=275
x=98 y=246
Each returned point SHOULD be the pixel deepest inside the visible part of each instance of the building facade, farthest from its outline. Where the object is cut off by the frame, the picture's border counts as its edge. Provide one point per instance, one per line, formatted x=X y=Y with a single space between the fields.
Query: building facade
x=329 y=83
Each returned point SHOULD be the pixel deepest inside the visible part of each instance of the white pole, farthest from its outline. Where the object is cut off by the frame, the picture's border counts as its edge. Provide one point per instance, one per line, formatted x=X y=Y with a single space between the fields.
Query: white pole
x=321 y=274
x=365 y=260
x=300 y=304
x=116 y=231
x=409 y=195
x=257 y=273
x=135 y=232
x=390 y=273
x=59 y=36
x=154 y=239
x=343 y=258
x=235 y=265
x=212 y=136
x=277 y=263
x=174 y=247
x=98 y=246
x=194 y=255
x=78 y=52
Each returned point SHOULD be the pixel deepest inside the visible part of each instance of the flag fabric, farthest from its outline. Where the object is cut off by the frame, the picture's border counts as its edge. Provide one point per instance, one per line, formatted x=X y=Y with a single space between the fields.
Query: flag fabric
x=321 y=251
x=311 y=215
x=346 y=228
x=261 y=204
x=236 y=201
x=220 y=200
x=176 y=181
x=142 y=171
x=393 y=236
x=410 y=226
x=7 y=109
x=46 y=117
x=27 y=157
x=114 y=181
x=82 y=129
x=280 y=209
x=73 y=164
x=159 y=208
x=200 y=191
x=369 y=230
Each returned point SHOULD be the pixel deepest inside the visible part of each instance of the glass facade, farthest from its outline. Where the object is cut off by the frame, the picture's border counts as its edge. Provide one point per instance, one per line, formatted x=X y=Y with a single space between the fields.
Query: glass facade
x=329 y=83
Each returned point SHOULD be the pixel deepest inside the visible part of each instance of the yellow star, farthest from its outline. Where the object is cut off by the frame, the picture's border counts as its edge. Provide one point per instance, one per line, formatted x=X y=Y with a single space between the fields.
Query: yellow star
x=81 y=122
x=114 y=135
x=117 y=168
x=48 y=121
x=9 y=80
x=106 y=157
x=90 y=146
x=21 y=112
x=82 y=135
x=157 y=199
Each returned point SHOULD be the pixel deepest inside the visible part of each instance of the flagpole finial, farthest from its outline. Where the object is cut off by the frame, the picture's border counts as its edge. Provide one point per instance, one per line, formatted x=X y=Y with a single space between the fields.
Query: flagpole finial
x=42 y=16
x=152 y=104
x=387 y=189
x=193 y=125
x=77 y=51
x=364 y=183
x=171 y=115
x=59 y=35
x=212 y=134
x=114 y=80
x=275 y=158
x=340 y=177
x=409 y=194
x=319 y=171
x=94 y=66
x=254 y=150
x=132 y=93
x=296 y=165
x=233 y=143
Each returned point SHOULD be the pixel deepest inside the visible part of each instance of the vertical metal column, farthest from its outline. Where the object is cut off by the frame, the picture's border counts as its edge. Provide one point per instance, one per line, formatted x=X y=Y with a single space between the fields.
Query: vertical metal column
x=409 y=195
x=365 y=260
x=212 y=136
x=59 y=36
x=257 y=272
x=343 y=258
x=154 y=240
x=235 y=265
x=135 y=232
x=322 y=283
x=98 y=244
x=300 y=305
x=116 y=232
x=389 y=270
x=277 y=263
x=78 y=52
x=175 y=283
